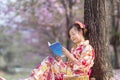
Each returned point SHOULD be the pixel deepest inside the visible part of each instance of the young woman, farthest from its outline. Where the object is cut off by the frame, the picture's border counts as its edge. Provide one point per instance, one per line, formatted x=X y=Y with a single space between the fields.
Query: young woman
x=80 y=58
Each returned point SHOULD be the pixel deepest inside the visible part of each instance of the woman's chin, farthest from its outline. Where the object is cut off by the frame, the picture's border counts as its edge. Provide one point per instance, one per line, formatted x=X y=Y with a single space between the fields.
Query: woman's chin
x=74 y=41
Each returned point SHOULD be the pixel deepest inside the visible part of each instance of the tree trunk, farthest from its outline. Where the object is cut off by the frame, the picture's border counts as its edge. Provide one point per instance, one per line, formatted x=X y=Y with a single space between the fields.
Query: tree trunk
x=95 y=21
x=115 y=38
x=110 y=21
x=68 y=14
x=69 y=20
x=118 y=33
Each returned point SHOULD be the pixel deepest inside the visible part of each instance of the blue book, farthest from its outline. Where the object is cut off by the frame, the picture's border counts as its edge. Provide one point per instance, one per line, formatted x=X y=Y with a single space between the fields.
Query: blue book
x=56 y=48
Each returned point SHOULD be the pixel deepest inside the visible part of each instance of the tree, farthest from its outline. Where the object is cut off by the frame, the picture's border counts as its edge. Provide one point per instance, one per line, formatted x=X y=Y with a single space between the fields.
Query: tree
x=115 y=37
x=32 y=23
x=68 y=14
x=95 y=21
x=42 y=14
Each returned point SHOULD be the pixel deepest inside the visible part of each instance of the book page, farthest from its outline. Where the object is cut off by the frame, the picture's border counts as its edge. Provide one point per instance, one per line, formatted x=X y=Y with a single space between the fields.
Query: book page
x=49 y=43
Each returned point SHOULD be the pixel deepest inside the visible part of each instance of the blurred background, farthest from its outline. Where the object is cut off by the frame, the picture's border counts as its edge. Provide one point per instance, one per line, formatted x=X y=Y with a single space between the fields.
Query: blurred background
x=27 y=25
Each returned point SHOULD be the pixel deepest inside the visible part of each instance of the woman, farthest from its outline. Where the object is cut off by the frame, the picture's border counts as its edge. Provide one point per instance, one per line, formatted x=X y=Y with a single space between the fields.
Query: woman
x=80 y=59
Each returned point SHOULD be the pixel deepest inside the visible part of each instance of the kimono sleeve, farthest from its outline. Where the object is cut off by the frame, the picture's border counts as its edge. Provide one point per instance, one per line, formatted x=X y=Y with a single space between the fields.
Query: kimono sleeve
x=86 y=59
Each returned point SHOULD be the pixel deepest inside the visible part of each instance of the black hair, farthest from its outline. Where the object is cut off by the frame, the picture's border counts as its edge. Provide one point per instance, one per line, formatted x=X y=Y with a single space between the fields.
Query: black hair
x=77 y=26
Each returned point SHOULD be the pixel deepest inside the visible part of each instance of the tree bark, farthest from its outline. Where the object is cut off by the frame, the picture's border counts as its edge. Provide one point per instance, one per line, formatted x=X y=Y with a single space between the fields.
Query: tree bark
x=95 y=21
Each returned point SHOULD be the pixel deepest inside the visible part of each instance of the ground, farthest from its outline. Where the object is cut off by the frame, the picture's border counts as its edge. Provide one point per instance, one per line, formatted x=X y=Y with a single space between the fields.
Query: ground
x=117 y=74
x=17 y=76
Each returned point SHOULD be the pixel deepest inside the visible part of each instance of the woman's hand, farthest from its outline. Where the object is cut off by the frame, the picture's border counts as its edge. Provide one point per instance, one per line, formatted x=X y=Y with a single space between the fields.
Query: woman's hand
x=68 y=54
x=65 y=50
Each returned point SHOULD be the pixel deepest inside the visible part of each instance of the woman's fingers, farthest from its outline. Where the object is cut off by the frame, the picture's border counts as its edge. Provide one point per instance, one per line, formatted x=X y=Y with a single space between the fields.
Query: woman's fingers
x=64 y=50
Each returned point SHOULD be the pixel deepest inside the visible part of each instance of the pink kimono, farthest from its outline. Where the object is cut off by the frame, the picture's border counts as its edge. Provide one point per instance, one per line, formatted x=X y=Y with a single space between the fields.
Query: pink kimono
x=50 y=69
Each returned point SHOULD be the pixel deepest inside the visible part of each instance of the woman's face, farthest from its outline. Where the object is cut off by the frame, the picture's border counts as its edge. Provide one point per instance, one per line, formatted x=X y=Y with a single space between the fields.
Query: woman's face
x=75 y=35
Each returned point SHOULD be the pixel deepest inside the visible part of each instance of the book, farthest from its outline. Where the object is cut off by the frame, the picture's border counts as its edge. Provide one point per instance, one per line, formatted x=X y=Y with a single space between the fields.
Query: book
x=56 y=48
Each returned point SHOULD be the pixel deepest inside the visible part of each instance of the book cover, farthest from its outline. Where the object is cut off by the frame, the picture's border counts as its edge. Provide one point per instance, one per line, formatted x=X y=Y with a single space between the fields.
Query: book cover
x=56 y=48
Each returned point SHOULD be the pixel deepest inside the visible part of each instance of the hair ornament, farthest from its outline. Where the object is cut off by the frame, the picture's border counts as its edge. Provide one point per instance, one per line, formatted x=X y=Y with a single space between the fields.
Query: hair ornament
x=80 y=24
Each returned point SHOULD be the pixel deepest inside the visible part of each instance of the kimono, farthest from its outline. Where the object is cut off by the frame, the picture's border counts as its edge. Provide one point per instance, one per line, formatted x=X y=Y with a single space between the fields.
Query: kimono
x=50 y=69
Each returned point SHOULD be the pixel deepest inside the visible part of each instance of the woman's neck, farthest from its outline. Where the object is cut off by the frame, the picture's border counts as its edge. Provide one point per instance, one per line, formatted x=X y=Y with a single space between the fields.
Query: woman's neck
x=81 y=41
x=78 y=43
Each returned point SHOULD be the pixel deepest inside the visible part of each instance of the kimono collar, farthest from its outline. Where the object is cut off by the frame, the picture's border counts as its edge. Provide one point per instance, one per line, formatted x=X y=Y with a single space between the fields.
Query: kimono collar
x=84 y=43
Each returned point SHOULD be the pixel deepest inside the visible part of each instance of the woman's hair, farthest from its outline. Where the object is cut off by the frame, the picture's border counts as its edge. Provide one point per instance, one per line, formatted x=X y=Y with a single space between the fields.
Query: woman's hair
x=78 y=28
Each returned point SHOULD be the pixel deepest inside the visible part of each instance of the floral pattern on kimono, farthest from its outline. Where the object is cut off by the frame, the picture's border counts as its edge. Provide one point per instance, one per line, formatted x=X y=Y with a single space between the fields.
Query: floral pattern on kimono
x=50 y=69
x=84 y=54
